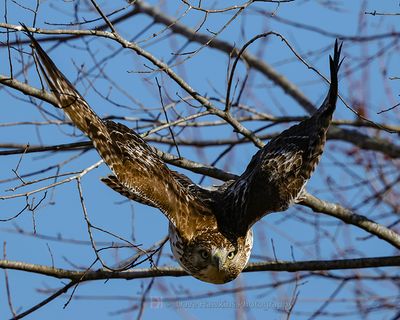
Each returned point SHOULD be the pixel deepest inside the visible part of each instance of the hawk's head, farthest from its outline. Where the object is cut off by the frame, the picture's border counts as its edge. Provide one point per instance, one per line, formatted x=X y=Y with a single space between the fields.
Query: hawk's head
x=211 y=257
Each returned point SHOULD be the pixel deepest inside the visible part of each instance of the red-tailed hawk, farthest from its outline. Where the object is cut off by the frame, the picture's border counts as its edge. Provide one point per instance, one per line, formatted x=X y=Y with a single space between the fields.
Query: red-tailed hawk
x=209 y=230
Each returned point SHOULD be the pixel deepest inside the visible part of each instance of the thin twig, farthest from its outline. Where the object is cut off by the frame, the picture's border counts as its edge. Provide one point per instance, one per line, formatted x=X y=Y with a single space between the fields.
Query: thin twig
x=8 y=290
x=105 y=18
x=166 y=118
x=45 y=301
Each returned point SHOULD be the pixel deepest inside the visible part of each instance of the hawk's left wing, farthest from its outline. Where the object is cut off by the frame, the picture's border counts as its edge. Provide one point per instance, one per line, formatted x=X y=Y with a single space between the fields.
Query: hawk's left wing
x=278 y=172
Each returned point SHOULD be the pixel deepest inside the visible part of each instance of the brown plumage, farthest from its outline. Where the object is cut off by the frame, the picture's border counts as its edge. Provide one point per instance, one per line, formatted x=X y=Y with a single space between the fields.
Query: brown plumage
x=279 y=171
x=210 y=230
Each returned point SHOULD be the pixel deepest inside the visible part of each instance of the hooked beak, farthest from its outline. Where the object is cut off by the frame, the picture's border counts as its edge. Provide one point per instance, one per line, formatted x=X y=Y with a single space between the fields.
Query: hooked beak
x=217 y=258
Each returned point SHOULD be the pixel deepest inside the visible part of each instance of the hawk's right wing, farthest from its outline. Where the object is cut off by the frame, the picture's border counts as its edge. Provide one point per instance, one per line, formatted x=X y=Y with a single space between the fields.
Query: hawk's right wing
x=139 y=171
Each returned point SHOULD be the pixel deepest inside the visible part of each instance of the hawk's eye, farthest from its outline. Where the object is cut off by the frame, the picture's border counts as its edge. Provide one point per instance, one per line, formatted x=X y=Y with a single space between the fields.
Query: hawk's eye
x=204 y=254
x=231 y=254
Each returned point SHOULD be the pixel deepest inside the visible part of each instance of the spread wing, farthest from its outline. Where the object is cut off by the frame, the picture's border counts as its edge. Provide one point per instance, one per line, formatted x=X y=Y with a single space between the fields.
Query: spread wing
x=112 y=182
x=278 y=172
x=139 y=172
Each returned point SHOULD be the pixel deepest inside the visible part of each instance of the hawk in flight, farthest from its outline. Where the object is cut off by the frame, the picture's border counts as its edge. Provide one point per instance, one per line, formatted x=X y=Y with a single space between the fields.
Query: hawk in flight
x=209 y=229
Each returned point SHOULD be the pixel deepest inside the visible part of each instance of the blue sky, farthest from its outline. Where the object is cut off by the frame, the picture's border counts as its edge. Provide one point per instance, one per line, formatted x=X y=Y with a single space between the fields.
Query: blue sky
x=291 y=232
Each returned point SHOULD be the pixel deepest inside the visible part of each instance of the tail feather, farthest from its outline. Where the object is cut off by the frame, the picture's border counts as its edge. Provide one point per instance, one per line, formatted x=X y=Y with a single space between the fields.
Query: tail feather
x=68 y=97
